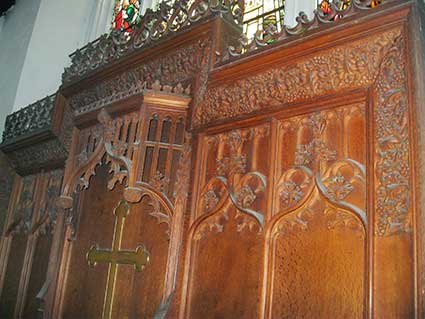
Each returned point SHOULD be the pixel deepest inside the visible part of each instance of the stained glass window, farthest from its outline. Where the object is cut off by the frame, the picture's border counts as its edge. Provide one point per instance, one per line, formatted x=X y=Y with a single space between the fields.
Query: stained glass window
x=261 y=14
x=126 y=14
x=325 y=5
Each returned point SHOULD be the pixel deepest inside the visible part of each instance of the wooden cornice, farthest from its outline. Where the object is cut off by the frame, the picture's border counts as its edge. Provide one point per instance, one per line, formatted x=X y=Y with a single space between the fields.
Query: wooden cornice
x=159 y=48
x=279 y=53
x=37 y=137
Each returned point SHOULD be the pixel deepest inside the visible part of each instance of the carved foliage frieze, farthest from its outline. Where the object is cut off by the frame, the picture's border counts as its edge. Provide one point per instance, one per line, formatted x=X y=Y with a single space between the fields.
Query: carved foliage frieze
x=38 y=122
x=168 y=20
x=378 y=62
x=392 y=145
x=39 y=155
x=35 y=117
x=178 y=66
x=330 y=71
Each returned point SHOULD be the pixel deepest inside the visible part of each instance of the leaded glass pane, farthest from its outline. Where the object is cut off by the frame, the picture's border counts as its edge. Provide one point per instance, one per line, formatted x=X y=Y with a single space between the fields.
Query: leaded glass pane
x=259 y=14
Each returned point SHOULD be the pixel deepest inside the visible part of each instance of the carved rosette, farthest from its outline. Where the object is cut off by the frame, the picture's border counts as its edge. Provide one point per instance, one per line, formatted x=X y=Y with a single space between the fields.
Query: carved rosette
x=159 y=181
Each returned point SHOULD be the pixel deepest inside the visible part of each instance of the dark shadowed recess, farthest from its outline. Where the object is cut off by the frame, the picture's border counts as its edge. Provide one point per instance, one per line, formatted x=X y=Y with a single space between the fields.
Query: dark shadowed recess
x=5 y=5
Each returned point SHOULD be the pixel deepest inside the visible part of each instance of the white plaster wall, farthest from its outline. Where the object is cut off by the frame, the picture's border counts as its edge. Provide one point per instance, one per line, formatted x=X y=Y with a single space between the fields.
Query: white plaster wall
x=103 y=12
x=15 y=33
x=294 y=7
x=60 y=28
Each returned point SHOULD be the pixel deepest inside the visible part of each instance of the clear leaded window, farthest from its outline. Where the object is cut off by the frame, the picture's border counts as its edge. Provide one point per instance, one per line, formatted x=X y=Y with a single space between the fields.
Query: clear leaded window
x=260 y=14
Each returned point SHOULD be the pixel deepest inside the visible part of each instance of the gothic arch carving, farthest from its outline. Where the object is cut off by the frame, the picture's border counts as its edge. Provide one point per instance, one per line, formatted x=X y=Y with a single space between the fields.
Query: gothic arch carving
x=234 y=183
x=377 y=62
x=121 y=166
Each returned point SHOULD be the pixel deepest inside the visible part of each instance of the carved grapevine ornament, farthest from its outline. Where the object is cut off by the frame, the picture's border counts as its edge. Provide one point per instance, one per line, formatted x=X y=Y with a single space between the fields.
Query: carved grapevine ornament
x=338 y=188
x=179 y=66
x=376 y=61
x=393 y=170
x=353 y=66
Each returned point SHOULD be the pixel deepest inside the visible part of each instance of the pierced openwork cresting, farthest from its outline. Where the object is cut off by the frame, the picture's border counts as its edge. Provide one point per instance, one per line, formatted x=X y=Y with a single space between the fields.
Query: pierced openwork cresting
x=115 y=256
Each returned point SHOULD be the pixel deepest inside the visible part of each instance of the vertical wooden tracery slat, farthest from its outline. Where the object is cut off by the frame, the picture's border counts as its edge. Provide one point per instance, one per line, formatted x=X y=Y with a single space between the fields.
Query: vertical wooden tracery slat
x=170 y=153
x=155 y=154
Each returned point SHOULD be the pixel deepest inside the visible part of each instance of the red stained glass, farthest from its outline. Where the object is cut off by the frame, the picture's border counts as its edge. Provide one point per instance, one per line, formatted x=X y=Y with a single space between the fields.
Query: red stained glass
x=126 y=14
x=326 y=7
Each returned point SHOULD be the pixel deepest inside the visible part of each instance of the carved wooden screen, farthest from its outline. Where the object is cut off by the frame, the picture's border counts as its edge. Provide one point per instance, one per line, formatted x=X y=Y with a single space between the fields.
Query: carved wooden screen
x=227 y=238
x=317 y=244
x=304 y=208
x=305 y=199
x=127 y=171
x=295 y=190
x=27 y=243
x=6 y=183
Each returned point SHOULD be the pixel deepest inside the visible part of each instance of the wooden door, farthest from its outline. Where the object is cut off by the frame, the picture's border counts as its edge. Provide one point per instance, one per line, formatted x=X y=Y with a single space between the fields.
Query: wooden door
x=128 y=183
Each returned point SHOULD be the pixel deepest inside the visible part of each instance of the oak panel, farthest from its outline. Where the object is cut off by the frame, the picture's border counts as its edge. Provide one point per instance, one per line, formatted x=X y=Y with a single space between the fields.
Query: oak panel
x=227 y=274
x=37 y=278
x=318 y=246
x=139 y=293
x=227 y=240
x=85 y=287
x=13 y=275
